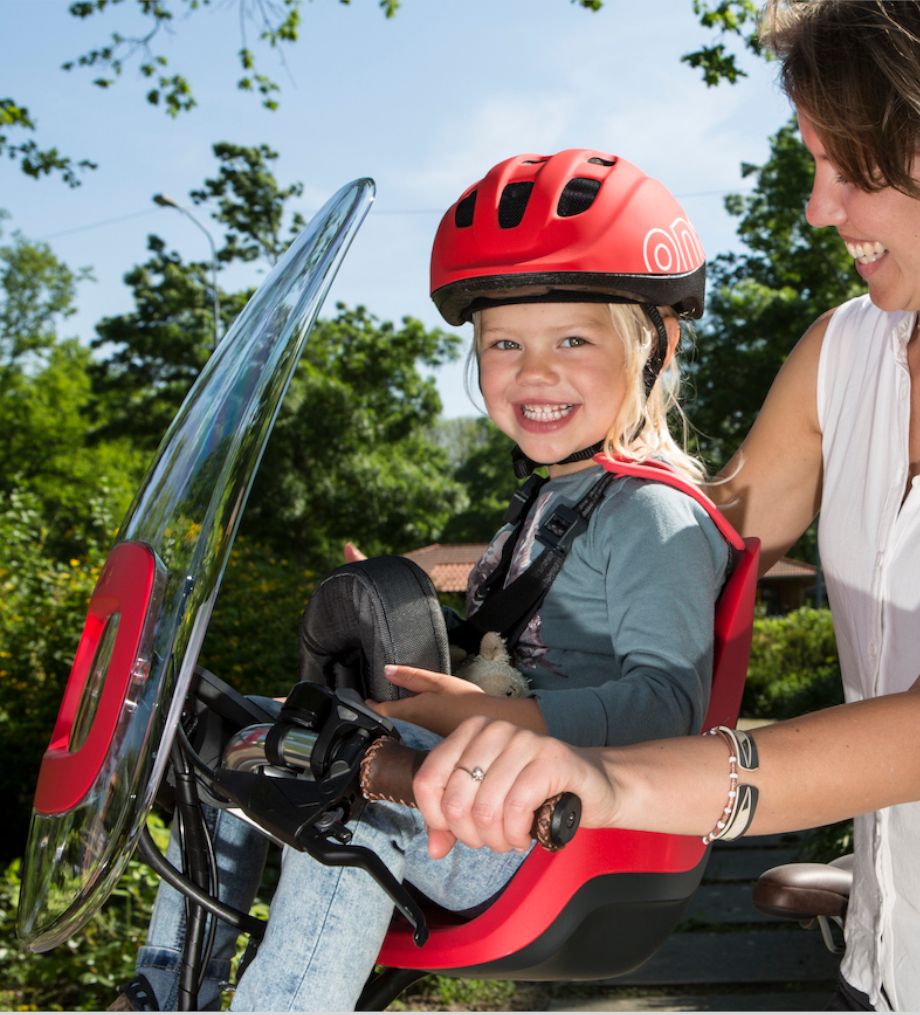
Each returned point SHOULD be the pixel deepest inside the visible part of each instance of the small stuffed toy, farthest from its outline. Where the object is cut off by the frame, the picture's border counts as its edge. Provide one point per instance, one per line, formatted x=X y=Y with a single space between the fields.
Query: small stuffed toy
x=492 y=670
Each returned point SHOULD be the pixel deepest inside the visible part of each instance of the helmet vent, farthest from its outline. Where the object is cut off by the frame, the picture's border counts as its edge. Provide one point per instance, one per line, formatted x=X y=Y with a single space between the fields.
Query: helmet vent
x=597 y=161
x=513 y=204
x=577 y=197
x=463 y=213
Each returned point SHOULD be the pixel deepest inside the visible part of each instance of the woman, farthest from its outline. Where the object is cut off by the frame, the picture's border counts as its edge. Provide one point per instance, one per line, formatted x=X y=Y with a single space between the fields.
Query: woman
x=840 y=433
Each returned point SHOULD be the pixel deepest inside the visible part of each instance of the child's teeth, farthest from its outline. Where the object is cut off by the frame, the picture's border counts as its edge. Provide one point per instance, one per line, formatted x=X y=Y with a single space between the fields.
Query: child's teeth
x=546 y=413
x=865 y=253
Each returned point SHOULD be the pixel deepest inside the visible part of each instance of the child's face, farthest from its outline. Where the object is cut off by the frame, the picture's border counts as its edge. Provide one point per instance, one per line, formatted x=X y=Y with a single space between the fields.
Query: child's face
x=553 y=376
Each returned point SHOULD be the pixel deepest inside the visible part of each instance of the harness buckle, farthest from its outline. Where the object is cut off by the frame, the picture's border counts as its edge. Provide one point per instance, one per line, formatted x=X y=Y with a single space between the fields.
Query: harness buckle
x=562 y=526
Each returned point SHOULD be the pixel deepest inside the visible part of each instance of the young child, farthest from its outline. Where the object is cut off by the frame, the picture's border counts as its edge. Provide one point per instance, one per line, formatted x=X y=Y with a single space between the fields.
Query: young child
x=574 y=269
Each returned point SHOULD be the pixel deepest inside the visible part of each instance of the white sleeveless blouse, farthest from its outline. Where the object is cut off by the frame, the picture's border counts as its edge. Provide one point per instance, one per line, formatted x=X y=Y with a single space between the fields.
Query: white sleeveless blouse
x=869 y=539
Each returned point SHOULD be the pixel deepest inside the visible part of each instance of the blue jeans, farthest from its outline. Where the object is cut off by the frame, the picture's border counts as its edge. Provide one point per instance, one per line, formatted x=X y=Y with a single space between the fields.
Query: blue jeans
x=327 y=923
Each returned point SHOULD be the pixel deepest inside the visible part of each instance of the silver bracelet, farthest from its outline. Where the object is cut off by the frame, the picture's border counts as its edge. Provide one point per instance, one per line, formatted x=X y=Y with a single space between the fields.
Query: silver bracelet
x=738 y=812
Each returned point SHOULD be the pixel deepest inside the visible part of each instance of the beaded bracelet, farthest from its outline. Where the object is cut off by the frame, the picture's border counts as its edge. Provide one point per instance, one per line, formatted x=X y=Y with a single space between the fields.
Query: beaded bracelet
x=738 y=812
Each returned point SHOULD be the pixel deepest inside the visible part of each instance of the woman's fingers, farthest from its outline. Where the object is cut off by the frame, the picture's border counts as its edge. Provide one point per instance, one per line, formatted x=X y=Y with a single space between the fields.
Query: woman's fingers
x=484 y=782
x=431 y=781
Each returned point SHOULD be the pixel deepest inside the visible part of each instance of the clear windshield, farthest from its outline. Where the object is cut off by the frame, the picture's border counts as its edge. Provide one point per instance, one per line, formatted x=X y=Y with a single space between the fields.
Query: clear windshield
x=182 y=523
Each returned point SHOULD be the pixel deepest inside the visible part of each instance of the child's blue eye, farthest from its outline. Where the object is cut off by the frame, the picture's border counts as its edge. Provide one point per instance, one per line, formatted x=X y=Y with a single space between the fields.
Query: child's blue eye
x=505 y=343
x=573 y=342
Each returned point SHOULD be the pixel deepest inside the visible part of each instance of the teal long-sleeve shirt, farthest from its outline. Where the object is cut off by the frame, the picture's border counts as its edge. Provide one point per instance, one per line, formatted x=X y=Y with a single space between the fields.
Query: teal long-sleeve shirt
x=621 y=649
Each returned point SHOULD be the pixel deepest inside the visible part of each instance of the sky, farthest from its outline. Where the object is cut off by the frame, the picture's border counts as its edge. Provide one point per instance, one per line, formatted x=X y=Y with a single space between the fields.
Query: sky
x=424 y=103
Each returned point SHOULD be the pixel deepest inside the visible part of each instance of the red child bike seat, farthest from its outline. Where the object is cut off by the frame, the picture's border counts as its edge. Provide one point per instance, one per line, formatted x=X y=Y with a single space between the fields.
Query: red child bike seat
x=604 y=904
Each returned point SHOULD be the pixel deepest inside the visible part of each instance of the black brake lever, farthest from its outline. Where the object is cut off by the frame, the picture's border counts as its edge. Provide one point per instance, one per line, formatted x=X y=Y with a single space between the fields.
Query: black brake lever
x=309 y=813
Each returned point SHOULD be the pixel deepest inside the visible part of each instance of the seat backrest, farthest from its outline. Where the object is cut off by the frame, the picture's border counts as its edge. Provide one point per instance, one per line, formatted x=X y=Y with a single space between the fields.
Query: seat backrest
x=548 y=888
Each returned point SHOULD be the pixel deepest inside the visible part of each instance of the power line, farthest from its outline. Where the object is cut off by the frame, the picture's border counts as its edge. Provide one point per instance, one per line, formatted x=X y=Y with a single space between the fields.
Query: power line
x=94 y=225
x=377 y=212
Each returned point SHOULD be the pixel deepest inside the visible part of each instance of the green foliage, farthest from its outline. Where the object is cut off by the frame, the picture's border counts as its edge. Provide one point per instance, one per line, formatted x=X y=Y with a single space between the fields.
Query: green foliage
x=350 y=457
x=450 y=993
x=793 y=667
x=42 y=607
x=250 y=203
x=275 y=22
x=761 y=301
x=253 y=636
x=35 y=161
x=83 y=973
x=728 y=17
x=37 y=292
x=482 y=456
x=155 y=352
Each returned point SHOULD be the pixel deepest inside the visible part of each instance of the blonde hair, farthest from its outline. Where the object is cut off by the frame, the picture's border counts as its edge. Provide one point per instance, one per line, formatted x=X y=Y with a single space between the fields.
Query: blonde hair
x=640 y=430
x=851 y=66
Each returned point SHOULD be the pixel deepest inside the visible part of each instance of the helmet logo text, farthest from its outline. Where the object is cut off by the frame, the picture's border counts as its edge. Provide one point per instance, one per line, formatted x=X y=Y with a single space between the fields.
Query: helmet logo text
x=675 y=249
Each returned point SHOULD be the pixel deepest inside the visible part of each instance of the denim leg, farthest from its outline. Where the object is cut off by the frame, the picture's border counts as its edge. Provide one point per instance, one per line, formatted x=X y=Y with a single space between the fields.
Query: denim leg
x=327 y=923
x=240 y=852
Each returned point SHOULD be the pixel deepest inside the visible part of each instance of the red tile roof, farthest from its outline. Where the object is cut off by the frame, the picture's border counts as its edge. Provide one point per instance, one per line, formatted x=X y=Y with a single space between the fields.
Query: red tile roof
x=448 y=566
x=786 y=567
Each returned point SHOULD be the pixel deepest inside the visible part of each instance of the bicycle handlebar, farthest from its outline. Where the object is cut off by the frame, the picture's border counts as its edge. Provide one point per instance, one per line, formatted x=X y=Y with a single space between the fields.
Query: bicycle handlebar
x=388 y=768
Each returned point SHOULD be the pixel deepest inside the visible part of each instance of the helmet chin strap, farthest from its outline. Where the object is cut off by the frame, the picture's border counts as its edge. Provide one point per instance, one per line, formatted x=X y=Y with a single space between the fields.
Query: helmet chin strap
x=524 y=466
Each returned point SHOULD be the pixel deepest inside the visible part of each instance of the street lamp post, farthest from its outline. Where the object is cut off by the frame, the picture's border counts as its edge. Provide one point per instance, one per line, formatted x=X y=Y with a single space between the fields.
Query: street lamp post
x=165 y=201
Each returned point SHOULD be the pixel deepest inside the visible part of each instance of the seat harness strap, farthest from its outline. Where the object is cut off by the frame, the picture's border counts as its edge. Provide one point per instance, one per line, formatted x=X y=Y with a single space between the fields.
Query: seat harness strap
x=508 y=609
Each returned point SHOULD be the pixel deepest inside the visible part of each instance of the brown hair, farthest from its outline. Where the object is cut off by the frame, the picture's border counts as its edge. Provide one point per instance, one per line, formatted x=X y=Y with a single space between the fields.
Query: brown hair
x=853 y=68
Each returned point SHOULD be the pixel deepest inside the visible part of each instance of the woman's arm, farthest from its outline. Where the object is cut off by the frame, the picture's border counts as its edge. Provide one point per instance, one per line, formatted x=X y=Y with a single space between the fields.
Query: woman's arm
x=772 y=486
x=823 y=767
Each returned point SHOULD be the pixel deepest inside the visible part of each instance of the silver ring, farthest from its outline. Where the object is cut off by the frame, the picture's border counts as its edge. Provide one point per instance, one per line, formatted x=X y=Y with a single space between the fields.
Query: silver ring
x=476 y=774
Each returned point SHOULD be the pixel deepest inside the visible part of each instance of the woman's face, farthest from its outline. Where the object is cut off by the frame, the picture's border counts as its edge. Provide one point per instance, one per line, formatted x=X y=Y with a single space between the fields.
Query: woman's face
x=881 y=230
x=552 y=376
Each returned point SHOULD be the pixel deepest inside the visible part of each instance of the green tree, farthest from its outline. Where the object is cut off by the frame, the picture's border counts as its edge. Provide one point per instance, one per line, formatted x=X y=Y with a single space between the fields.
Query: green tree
x=152 y=355
x=45 y=398
x=716 y=62
x=37 y=293
x=250 y=203
x=350 y=456
x=761 y=300
x=482 y=455
x=33 y=160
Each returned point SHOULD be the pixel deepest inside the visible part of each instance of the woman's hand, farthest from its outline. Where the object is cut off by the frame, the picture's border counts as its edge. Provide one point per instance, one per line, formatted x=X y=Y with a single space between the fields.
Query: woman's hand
x=522 y=770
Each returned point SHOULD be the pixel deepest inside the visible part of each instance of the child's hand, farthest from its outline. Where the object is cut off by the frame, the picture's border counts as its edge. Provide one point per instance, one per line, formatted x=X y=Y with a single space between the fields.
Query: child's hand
x=414 y=679
x=440 y=701
x=352 y=554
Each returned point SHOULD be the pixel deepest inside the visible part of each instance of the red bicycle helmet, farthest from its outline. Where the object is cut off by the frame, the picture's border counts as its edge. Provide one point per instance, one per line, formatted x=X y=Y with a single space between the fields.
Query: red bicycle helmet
x=578 y=224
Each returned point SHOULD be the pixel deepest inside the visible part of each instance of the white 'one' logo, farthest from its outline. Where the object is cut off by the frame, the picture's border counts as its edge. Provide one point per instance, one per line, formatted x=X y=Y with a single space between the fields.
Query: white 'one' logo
x=675 y=249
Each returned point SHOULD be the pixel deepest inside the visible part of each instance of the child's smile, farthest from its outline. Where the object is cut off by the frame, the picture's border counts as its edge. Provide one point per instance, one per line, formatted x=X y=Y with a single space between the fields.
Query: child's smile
x=545 y=414
x=552 y=375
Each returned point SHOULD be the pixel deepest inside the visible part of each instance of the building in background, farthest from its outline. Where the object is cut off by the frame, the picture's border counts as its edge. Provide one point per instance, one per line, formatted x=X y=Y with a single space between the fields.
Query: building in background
x=788 y=585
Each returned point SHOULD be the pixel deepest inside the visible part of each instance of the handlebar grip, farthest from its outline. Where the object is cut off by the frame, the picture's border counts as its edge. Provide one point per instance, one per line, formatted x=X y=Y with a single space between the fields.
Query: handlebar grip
x=388 y=768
